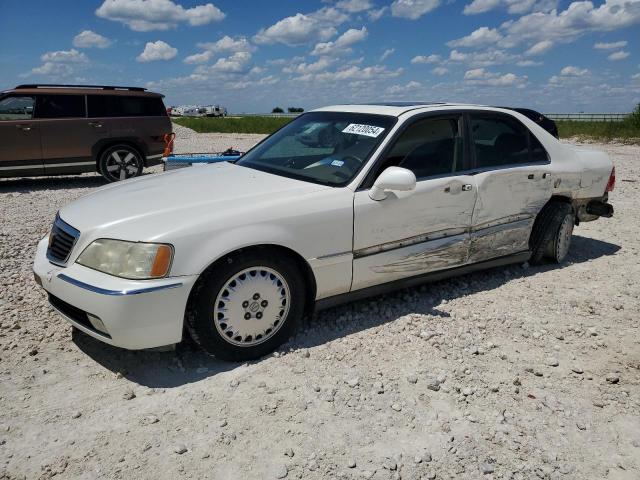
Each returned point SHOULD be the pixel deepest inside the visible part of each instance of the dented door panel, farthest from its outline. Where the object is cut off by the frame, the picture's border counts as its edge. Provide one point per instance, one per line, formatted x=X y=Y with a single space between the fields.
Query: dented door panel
x=411 y=233
x=507 y=203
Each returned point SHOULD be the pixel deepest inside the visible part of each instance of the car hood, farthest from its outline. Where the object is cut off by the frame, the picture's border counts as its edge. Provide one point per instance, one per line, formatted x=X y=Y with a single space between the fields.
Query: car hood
x=157 y=203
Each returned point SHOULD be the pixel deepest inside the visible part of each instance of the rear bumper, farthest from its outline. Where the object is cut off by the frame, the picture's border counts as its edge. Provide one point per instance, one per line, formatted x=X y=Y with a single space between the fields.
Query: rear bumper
x=124 y=313
x=600 y=208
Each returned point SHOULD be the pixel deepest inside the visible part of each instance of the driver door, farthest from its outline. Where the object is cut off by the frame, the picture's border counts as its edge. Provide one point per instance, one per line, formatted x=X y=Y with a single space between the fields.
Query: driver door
x=412 y=233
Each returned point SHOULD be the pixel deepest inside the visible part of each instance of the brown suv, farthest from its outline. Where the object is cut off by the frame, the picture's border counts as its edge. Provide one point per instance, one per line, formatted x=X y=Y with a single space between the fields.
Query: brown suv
x=67 y=129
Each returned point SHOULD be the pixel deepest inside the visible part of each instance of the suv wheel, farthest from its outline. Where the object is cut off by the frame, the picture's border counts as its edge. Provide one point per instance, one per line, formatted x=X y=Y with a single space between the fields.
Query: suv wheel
x=552 y=231
x=246 y=306
x=120 y=162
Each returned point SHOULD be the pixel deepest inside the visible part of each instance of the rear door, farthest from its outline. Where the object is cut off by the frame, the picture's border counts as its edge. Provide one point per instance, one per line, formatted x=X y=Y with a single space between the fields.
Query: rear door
x=513 y=182
x=20 y=150
x=67 y=136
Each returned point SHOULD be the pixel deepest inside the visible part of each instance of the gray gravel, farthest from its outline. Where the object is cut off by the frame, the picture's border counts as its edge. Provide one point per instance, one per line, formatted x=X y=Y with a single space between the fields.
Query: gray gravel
x=514 y=373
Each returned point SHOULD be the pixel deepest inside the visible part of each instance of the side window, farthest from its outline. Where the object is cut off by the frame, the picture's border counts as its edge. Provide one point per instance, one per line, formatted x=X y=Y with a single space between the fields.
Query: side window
x=123 y=106
x=538 y=153
x=16 y=108
x=60 y=106
x=499 y=141
x=428 y=147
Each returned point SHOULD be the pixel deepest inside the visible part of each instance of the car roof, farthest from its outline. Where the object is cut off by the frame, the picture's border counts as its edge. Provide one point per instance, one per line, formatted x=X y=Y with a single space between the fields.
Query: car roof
x=398 y=108
x=82 y=90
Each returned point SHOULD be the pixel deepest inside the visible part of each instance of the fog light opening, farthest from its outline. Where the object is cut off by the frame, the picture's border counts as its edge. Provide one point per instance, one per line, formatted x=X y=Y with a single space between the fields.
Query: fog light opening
x=97 y=323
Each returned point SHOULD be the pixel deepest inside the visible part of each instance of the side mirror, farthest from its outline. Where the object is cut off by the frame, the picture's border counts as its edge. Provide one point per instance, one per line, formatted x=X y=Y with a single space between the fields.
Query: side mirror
x=392 y=179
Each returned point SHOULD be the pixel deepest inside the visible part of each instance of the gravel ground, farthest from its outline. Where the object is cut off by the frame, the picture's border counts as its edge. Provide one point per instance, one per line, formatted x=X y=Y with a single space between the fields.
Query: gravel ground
x=513 y=373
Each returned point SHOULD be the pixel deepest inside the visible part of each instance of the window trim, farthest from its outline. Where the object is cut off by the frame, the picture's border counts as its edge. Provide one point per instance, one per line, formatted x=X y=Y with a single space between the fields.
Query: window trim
x=372 y=174
x=33 y=115
x=499 y=115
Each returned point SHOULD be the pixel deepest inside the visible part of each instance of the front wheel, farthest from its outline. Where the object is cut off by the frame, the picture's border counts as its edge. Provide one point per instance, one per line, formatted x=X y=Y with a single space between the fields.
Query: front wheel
x=246 y=306
x=120 y=162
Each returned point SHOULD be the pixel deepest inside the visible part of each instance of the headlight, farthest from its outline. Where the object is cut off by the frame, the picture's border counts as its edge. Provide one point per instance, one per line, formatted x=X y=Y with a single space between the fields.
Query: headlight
x=134 y=260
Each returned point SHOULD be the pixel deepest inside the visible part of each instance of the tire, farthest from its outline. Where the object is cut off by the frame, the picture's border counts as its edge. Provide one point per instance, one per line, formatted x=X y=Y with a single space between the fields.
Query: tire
x=551 y=234
x=120 y=162
x=257 y=316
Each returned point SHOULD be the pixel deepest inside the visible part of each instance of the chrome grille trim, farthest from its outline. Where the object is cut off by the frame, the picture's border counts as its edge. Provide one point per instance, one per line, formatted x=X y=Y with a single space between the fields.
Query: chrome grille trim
x=62 y=239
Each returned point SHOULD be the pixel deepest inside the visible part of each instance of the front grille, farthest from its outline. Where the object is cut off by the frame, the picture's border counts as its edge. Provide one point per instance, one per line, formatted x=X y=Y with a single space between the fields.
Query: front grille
x=62 y=239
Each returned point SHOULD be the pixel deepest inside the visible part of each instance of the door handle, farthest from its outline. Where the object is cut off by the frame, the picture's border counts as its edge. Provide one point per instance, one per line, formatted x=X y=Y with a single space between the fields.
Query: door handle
x=95 y=124
x=24 y=128
x=546 y=175
x=531 y=176
x=466 y=187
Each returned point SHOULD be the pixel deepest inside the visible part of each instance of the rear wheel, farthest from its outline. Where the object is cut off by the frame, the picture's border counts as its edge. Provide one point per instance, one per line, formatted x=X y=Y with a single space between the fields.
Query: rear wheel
x=120 y=162
x=551 y=234
x=246 y=306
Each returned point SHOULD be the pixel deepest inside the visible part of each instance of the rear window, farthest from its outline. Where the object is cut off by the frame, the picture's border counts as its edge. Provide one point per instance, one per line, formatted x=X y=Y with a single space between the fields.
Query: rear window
x=60 y=106
x=123 y=106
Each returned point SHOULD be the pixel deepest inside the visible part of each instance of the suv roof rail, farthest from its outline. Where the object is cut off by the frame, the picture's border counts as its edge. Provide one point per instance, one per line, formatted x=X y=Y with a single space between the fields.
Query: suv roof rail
x=97 y=87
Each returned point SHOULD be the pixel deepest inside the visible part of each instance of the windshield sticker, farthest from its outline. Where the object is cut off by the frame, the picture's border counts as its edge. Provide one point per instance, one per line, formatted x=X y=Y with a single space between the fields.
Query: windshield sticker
x=337 y=163
x=368 y=130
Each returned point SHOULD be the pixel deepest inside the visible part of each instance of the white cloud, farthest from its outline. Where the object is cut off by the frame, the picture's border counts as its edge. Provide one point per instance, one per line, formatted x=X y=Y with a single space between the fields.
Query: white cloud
x=301 y=29
x=539 y=48
x=159 y=50
x=420 y=59
x=528 y=63
x=147 y=15
x=236 y=63
x=52 y=69
x=354 y=6
x=635 y=76
x=620 y=55
x=571 y=71
x=342 y=43
x=387 y=53
x=610 y=46
x=89 y=39
x=304 y=68
x=375 y=15
x=440 y=71
x=579 y=18
x=478 y=38
x=60 y=64
x=354 y=73
x=225 y=44
x=512 y=6
x=457 y=56
x=411 y=86
x=65 y=56
x=479 y=76
x=413 y=9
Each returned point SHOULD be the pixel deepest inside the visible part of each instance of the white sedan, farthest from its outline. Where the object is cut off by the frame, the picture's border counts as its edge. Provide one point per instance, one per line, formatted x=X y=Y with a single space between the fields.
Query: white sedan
x=343 y=202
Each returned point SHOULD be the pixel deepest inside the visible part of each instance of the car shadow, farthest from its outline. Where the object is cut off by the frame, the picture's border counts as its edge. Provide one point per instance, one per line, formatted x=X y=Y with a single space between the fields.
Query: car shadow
x=27 y=185
x=187 y=364
x=57 y=182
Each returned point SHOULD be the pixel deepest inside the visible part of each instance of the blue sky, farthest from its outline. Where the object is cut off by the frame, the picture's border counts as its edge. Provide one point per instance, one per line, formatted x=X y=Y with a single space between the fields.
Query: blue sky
x=553 y=55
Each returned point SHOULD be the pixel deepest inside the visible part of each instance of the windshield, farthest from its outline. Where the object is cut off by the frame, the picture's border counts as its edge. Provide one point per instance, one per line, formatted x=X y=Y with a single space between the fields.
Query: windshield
x=320 y=147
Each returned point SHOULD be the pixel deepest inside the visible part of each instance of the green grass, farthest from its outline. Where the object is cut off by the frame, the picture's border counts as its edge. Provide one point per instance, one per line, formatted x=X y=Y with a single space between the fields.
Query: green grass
x=233 y=125
x=626 y=130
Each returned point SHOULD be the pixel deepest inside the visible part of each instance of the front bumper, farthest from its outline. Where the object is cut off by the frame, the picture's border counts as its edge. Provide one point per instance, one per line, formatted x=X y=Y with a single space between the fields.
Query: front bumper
x=135 y=314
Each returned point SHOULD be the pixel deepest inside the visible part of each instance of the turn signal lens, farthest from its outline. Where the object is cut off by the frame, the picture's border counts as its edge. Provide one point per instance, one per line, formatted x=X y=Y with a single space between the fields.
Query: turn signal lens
x=611 y=184
x=162 y=262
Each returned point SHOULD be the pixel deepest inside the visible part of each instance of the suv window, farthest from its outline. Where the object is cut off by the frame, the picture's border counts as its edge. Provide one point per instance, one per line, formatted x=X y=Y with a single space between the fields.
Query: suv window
x=124 y=106
x=428 y=147
x=16 y=108
x=60 y=106
x=498 y=141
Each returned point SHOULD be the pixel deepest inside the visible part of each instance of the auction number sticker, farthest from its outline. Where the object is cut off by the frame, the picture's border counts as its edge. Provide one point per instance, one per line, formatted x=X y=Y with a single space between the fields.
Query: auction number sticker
x=368 y=130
